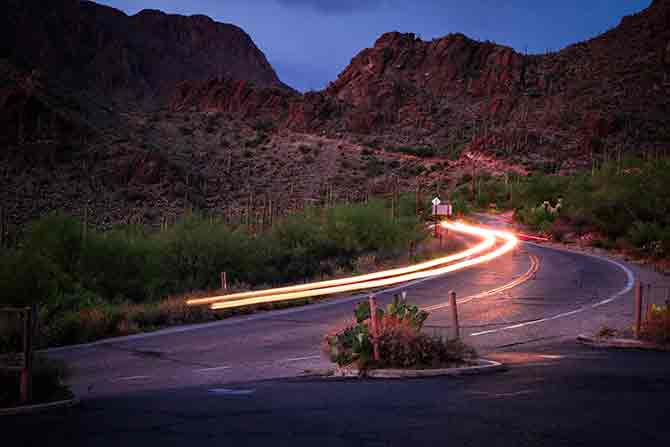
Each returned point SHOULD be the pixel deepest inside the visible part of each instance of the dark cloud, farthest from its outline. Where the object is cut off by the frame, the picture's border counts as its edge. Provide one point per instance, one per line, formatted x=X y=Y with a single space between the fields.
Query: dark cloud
x=333 y=6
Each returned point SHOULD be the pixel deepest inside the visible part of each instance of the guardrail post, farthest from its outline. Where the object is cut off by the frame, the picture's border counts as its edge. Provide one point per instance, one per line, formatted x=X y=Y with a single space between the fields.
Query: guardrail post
x=454 y=315
x=638 y=309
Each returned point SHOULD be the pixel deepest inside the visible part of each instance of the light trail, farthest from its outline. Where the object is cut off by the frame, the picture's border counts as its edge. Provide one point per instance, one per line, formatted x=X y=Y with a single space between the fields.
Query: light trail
x=358 y=283
x=534 y=267
x=487 y=243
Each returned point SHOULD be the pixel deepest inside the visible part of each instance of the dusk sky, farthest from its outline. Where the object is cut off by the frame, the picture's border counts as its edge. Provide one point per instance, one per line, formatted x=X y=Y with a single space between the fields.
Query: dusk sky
x=310 y=41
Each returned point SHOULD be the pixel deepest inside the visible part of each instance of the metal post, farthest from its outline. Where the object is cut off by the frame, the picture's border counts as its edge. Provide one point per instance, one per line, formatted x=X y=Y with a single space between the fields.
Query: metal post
x=454 y=314
x=373 y=326
x=638 y=309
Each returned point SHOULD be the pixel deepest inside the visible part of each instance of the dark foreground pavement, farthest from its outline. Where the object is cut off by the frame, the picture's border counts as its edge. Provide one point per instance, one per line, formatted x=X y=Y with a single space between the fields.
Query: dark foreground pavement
x=556 y=394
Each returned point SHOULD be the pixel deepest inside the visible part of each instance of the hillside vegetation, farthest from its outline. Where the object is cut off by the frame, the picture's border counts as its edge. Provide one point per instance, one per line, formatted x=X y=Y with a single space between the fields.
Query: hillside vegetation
x=92 y=284
x=622 y=204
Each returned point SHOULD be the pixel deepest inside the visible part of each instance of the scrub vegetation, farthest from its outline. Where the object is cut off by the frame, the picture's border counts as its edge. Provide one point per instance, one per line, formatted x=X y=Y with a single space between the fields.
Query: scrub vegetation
x=623 y=205
x=94 y=284
x=400 y=341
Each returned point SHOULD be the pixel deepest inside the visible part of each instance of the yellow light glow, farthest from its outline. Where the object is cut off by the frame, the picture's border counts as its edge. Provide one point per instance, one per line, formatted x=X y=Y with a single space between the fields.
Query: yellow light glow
x=380 y=279
x=487 y=243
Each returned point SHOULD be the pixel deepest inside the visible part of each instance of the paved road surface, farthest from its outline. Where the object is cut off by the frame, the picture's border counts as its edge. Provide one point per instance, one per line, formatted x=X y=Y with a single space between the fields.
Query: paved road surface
x=557 y=395
x=285 y=343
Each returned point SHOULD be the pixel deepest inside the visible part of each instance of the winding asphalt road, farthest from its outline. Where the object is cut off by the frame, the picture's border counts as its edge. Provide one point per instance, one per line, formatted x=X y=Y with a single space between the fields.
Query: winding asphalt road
x=238 y=379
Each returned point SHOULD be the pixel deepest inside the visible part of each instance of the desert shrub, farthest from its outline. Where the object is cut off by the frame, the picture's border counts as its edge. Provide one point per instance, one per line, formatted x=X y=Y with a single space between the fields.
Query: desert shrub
x=121 y=265
x=47 y=383
x=423 y=152
x=606 y=332
x=374 y=167
x=195 y=251
x=656 y=327
x=650 y=238
x=351 y=345
x=299 y=244
x=401 y=348
x=57 y=238
x=259 y=139
x=110 y=283
x=400 y=340
x=27 y=277
x=355 y=229
x=82 y=326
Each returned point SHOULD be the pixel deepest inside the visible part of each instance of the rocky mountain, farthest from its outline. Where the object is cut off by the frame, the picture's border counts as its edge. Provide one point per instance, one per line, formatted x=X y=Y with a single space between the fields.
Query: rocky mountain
x=85 y=45
x=588 y=101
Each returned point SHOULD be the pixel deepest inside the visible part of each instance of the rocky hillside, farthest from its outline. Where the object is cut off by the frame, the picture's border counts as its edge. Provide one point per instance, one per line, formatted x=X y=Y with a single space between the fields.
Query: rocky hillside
x=607 y=94
x=140 y=118
x=591 y=100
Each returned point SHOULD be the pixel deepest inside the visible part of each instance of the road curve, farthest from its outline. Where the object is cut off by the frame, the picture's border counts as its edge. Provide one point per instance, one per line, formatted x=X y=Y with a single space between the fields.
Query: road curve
x=531 y=295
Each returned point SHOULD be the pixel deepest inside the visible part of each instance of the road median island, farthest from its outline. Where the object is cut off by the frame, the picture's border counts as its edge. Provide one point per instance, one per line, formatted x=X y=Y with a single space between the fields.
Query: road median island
x=390 y=343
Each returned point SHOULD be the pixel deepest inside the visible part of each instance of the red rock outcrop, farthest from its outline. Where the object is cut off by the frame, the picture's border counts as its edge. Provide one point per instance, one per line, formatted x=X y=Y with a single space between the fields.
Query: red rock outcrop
x=241 y=99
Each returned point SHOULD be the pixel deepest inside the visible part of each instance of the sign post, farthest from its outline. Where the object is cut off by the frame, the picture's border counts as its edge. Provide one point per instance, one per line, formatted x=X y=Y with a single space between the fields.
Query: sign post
x=436 y=203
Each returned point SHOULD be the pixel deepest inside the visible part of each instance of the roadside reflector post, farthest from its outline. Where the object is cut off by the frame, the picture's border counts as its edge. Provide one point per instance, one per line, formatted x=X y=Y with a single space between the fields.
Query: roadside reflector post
x=454 y=315
x=638 y=309
x=373 y=326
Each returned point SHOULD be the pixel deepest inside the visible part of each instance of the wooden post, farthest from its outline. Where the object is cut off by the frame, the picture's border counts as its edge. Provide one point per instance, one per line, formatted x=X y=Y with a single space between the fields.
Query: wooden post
x=373 y=326
x=638 y=309
x=2 y=227
x=418 y=198
x=29 y=324
x=454 y=315
x=224 y=281
x=85 y=227
x=474 y=184
x=396 y=193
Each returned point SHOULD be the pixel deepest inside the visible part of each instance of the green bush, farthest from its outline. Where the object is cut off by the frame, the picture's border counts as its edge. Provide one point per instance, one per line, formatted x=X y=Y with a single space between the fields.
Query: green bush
x=84 y=284
x=400 y=348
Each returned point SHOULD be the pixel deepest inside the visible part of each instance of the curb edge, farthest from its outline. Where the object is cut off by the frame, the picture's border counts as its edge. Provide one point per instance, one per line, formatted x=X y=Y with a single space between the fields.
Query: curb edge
x=32 y=409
